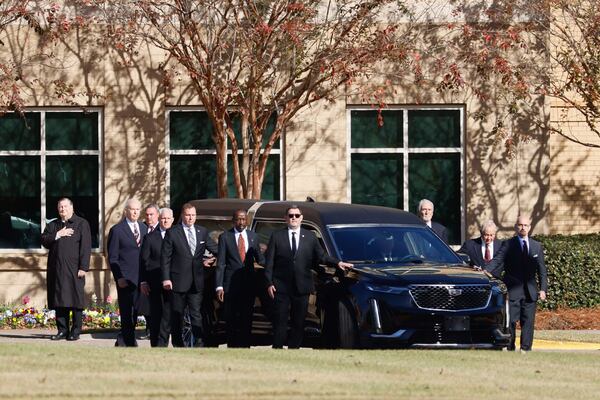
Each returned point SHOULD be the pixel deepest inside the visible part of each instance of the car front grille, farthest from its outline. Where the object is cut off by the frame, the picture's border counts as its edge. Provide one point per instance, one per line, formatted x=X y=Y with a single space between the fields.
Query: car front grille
x=451 y=297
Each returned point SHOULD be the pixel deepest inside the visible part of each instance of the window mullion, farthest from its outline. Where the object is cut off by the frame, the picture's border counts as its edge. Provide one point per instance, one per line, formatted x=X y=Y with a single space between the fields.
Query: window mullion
x=405 y=161
x=43 y=170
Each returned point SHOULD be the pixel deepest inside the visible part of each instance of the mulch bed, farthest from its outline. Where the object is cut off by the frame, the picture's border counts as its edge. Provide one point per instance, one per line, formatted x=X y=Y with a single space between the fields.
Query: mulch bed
x=568 y=318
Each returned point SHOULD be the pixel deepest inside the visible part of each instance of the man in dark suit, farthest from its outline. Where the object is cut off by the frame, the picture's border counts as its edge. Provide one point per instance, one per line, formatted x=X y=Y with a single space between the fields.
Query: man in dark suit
x=124 y=241
x=151 y=280
x=522 y=259
x=291 y=255
x=69 y=240
x=142 y=304
x=425 y=212
x=182 y=265
x=234 y=279
x=484 y=248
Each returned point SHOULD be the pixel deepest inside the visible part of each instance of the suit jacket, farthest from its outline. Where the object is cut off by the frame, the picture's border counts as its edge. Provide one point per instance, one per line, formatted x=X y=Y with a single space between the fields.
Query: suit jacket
x=123 y=252
x=472 y=248
x=519 y=270
x=440 y=230
x=288 y=272
x=229 y=261
x=177 y=262
x=150 y=255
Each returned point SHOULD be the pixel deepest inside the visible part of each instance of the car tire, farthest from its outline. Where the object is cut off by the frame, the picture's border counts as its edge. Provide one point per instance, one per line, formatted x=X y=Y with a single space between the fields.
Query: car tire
x=348 y=334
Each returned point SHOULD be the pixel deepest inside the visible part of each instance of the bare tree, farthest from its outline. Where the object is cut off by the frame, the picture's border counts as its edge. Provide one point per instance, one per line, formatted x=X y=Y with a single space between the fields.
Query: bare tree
x=255 y=61
x=29 y=29
x=531 y=52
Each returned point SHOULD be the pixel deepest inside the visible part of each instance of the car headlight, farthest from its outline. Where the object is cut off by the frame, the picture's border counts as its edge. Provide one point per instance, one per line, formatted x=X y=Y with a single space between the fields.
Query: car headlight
x=385 y=288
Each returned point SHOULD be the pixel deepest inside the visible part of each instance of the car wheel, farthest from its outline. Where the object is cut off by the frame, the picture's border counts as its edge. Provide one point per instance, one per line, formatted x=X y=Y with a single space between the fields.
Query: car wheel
x=348 y=334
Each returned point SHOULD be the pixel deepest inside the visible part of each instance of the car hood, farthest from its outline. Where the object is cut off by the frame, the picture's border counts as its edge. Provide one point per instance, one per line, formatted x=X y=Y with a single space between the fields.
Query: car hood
x=421 y=274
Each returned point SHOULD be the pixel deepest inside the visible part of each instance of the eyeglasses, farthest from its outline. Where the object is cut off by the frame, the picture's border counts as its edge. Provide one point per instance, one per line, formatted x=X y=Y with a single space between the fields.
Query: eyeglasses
x=290 y=216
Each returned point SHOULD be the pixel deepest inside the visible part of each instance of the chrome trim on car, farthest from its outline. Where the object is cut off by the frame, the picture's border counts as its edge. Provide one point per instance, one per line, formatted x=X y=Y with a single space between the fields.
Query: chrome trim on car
x=376 y=318
x=394 y=335
x=454 y=345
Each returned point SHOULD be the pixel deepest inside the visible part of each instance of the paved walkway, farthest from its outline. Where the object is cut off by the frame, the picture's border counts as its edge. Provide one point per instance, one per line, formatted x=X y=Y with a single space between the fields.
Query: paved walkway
x=107 y=339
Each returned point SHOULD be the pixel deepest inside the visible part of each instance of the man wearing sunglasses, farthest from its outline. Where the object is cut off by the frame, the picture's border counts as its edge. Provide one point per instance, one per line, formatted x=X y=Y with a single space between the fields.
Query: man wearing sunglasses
x=291 y=254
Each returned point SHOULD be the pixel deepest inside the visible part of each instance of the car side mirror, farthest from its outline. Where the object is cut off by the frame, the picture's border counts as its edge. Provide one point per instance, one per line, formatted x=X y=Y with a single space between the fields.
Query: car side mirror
x=465 y=257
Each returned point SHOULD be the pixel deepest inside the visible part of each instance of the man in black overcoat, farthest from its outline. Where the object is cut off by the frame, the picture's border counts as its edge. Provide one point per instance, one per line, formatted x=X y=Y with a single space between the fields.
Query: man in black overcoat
x=69 y=240
x=234 y=279
x=292 y=254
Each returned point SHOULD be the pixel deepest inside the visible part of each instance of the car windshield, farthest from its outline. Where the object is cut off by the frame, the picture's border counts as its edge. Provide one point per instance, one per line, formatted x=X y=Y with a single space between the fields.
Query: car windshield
x=390 y=244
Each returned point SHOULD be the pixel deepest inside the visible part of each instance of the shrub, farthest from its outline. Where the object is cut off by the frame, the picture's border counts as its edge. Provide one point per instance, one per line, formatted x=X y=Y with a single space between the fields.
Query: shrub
x=573 y=264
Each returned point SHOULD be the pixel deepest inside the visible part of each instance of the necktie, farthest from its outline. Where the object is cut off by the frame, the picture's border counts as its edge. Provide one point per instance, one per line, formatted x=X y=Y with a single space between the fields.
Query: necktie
x=294 y=247
x=191 y=240
x=150 y=229
x=136 y=235
x=488 y=256
x=525 y=250
x=242 y=247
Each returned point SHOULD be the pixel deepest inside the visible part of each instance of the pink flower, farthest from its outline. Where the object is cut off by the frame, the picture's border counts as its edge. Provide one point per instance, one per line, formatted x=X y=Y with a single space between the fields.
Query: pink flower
x=26 y=300
x=109 y=299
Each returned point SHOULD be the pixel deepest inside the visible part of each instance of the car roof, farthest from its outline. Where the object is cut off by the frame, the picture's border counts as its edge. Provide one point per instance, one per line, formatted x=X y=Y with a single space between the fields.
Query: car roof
x=322 y=213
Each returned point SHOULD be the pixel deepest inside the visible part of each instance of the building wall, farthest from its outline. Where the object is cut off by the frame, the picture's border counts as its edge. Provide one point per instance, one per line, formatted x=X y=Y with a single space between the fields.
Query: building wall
x=575 y=177
x=554 y=181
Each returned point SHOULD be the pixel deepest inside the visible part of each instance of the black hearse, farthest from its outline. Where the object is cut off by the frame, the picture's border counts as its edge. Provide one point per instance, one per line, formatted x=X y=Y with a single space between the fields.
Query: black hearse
x=407 y=288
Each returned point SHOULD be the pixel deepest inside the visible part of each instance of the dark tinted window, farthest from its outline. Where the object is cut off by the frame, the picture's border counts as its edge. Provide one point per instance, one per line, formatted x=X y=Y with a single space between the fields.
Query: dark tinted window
x=391 y=244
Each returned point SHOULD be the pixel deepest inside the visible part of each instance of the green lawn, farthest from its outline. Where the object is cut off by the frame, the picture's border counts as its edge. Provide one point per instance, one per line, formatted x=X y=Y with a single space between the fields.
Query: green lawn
x=61 y=371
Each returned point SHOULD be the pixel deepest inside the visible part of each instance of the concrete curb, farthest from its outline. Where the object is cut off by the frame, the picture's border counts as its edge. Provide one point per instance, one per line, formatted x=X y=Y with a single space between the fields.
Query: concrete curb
x=107 y=339
x=541 y=344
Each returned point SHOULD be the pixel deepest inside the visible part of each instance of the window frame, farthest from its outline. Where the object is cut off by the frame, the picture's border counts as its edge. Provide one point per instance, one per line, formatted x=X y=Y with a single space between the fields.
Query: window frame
x=43 y=153
x=199 y=152
x=406 y=151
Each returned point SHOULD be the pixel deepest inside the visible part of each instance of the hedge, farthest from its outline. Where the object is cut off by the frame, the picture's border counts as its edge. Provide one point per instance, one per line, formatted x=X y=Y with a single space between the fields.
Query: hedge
x=573 y=264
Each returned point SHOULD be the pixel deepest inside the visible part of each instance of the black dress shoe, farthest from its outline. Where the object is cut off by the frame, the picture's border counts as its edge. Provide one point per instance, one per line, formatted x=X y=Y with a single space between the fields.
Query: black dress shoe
x=73 y=337
x=59 y=336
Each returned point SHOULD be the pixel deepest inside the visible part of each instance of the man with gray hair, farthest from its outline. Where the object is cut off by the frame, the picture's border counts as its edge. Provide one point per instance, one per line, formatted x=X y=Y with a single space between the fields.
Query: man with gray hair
x=425 y=212
x=483 y=249
x=123 y=248
x=151 y=280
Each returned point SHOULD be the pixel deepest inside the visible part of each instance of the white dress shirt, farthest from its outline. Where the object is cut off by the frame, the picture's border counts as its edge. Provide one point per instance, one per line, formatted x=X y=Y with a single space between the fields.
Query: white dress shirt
x=297 y=231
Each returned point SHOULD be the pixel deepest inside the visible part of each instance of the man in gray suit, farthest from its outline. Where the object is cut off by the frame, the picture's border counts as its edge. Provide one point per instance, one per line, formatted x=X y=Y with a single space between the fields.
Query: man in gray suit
x=234 y=279
x=521 y=259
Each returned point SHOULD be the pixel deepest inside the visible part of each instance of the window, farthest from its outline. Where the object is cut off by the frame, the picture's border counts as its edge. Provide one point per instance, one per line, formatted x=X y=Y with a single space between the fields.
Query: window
x=417 y=153
x=44 y=156
x=192 y=161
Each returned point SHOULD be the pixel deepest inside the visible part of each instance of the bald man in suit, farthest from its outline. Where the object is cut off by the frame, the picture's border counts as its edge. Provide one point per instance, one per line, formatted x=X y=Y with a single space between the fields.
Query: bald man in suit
x=521 y=259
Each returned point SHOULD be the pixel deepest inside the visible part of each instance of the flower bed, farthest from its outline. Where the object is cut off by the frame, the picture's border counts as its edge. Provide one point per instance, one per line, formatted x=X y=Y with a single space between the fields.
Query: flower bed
x=97 y=316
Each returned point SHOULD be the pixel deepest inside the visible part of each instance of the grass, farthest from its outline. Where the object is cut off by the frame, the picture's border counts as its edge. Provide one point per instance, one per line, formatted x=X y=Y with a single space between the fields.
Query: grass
x=569 y=336
x=59 y=371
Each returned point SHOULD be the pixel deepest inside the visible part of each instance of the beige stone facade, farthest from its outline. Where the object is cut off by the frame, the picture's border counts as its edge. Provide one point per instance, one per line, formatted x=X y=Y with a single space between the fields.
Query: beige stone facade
x=557 y=182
